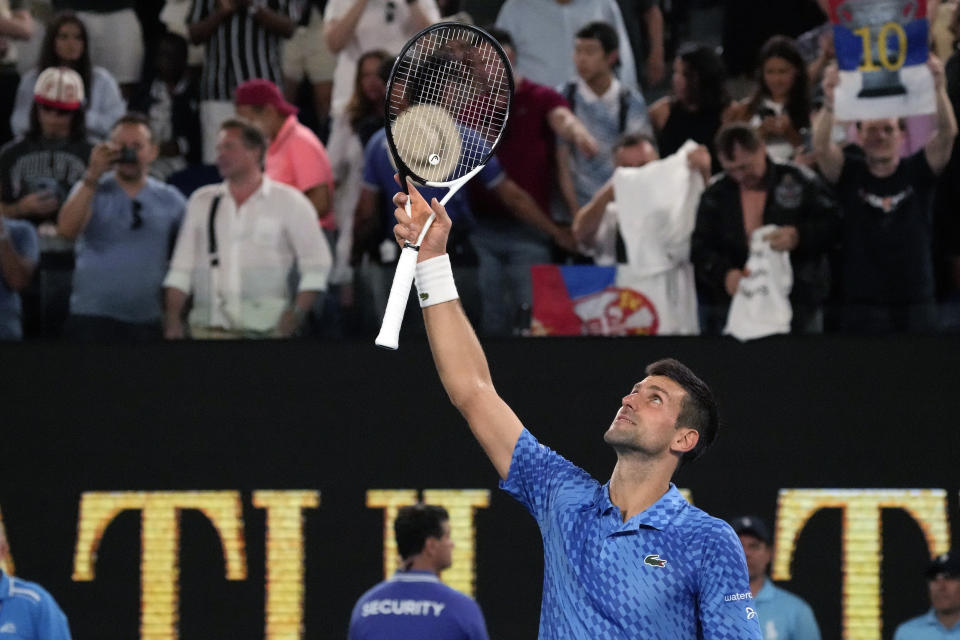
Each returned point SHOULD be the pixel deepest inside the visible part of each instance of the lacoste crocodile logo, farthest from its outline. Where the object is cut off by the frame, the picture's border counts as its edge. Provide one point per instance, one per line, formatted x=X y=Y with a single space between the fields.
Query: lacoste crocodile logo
x=654 y=560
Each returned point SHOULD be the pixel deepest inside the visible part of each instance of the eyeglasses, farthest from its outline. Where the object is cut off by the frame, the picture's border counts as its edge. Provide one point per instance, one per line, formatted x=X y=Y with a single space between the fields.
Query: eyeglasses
x=137 y=220
x=391 y=11
x=58 y=111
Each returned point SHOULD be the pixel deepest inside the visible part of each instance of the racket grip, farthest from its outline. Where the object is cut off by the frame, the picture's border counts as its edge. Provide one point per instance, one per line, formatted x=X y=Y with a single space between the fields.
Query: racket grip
x=389 y=337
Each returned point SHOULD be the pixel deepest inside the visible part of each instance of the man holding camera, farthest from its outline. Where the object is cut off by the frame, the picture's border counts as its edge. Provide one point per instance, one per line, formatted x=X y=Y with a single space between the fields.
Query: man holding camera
x=125 y=223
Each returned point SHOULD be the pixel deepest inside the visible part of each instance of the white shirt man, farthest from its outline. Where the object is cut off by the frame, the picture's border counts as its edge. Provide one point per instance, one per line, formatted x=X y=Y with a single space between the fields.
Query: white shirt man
x=239 y=275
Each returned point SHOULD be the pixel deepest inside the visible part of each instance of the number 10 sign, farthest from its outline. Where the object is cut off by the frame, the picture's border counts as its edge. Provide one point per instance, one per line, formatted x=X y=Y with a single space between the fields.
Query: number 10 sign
x=882 y=52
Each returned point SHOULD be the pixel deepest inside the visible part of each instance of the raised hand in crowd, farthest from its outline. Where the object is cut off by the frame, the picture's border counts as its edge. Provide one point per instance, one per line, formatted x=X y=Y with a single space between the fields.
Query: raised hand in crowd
x=102 y=158
x=699 y=160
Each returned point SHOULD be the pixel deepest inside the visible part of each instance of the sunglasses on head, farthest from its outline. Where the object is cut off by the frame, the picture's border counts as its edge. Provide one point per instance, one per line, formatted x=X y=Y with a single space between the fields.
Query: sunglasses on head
x=57 y=110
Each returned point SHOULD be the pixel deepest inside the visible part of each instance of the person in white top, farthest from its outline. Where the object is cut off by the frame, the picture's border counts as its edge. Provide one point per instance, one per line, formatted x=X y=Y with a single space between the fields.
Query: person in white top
x=352 y=27
x=238 y=247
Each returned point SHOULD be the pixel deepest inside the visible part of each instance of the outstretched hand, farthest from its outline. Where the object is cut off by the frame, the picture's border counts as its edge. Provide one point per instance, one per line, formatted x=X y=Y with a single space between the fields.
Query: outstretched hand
x=407 y=229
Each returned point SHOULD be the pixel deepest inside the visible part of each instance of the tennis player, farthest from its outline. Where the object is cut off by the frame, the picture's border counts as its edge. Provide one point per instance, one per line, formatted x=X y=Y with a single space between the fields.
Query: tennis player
x=626 y=559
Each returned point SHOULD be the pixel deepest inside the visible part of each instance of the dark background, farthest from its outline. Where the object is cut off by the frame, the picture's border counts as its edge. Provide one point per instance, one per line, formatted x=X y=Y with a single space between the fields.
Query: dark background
x=343 y=418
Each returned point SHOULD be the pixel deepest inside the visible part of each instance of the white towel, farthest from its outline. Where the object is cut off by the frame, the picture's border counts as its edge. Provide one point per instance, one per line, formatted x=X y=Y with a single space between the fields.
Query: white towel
x=761 y=306
x=655 y=208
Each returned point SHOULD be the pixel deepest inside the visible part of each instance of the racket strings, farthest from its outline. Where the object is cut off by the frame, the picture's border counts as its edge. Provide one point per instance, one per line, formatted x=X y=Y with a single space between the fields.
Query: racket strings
x=457 y=70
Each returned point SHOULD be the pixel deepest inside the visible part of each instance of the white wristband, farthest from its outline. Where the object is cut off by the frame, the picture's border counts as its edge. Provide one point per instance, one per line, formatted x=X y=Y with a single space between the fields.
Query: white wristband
x=434 y=280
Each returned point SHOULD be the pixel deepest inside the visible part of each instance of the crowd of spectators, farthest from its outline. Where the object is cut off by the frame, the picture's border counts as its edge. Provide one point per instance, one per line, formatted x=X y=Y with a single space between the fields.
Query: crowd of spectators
x=136 y=197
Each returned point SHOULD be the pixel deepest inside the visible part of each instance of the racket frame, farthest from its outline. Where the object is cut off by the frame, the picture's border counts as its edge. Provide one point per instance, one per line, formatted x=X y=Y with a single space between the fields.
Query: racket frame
x=389 y=336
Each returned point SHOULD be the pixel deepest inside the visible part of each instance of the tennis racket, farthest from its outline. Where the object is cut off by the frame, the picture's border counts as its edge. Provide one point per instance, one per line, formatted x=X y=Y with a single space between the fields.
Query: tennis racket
x=448 y=98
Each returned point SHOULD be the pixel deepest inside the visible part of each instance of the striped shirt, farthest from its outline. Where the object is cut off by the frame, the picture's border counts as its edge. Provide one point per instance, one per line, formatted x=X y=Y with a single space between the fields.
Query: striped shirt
x=241 y=48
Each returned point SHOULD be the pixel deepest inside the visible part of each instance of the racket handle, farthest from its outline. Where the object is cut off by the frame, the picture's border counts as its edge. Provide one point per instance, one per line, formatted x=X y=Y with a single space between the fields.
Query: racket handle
x=389 y=337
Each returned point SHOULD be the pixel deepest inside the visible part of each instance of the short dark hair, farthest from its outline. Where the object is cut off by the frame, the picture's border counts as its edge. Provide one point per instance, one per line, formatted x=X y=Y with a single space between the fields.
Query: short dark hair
x=135 y=118
x=250 y=134
x=698 y=410
x=502 y=36
x=602 y=31
x=736 y=134
x=632 y=138
x=416 y=523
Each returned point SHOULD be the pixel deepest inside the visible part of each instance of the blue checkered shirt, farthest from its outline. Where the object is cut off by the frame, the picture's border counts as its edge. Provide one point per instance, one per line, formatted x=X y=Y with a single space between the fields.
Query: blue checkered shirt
x=671 y=572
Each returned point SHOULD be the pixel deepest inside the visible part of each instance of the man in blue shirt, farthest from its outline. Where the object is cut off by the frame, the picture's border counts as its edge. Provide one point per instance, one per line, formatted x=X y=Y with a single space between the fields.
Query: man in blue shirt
x=414 y=604
x=626 y=559
x=125 y=223
x=942 y=621
x=782 y=615
x=19 y=254
x=27 y=611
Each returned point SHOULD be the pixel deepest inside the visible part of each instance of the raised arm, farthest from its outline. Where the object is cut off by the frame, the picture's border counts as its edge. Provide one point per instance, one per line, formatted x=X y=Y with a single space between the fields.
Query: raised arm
x=77 y=210
x=338 y=31
x=828 y=155
x=201 y=29
x=568 y=127
x=457 y=353
x=940 y=145
x=275 y=22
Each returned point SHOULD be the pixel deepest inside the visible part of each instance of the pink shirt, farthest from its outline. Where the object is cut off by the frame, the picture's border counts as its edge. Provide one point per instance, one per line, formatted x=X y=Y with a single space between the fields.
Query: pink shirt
x=297 y=157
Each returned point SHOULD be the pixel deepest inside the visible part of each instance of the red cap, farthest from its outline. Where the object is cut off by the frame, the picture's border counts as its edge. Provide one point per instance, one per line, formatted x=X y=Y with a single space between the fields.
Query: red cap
x=260 y=92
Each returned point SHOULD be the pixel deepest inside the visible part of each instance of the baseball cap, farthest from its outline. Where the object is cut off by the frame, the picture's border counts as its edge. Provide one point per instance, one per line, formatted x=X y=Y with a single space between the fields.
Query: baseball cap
x=60 y=88
x=260 y=92
x=945 y=564
x=751 y=525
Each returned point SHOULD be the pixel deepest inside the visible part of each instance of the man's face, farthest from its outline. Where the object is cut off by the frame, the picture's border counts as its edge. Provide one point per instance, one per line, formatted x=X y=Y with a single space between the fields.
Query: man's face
x=746 y=168
x=647 y=419
x=881 y=139
x=758 y=555
x=234 y=158
x=945 y=594
x=635 y=155
x=590 y=59
x=136 y=137
x=264 y=117
x=443 y=549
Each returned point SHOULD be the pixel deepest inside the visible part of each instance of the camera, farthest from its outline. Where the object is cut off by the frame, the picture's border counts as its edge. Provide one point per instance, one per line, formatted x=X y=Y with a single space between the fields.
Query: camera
x=128 y=155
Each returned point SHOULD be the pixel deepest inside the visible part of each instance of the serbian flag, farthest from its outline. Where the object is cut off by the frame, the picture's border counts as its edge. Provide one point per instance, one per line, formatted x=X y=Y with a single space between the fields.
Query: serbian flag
x=588 y=300
x=882 y=50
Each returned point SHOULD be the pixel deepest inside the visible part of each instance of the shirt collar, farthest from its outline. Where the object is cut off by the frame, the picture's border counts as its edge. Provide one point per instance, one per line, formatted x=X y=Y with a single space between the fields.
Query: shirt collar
x=931 y=618
x=415 y=575
x=658 y=515
x=609 y=97
x=767 y=591
x=4 y=585
x=285 y=132
x=263 y=191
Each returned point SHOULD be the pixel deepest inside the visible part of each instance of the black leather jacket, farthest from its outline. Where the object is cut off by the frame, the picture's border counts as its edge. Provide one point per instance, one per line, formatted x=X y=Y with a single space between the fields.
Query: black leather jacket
x=795 y=196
